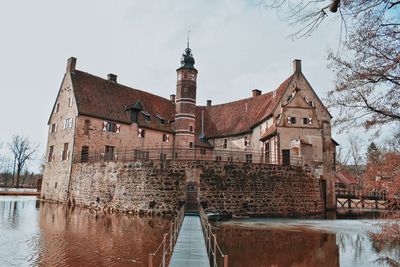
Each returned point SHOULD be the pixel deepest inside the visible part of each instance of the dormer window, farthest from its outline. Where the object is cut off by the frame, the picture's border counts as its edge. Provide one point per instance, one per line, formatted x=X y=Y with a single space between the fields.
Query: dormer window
x=147 y=116
x=162 y=120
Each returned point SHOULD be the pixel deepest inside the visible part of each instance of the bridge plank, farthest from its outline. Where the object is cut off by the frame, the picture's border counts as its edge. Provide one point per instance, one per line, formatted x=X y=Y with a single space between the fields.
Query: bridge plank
x=190 y=249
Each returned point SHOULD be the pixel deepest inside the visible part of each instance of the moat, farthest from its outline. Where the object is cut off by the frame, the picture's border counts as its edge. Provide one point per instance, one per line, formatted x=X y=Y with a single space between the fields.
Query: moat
x=34 y=233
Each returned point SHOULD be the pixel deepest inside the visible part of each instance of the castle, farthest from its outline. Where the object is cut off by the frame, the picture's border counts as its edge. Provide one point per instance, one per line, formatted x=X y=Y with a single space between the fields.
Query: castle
x=96 y=119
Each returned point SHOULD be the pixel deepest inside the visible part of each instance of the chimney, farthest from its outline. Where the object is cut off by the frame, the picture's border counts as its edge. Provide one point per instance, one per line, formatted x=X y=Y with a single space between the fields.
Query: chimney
x=208 y=103
x=71 y=64
x=255 y=92
x=297 y=66
x=172 y=98
x=112 y=77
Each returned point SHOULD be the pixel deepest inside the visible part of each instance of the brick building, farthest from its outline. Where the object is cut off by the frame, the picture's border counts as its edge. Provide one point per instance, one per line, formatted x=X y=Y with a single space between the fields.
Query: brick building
x=99 y=119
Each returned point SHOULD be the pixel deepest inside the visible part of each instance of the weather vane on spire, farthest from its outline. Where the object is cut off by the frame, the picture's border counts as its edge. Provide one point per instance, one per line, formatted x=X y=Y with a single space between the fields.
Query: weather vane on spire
x=188 y=38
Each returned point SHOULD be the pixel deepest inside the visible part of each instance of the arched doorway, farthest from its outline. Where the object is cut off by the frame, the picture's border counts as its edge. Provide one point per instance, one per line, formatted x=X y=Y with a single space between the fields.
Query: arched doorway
x=191 y=197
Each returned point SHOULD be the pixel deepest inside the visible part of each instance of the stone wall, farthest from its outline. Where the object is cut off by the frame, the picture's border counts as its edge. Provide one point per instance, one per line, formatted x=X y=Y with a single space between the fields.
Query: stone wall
x=159 y=187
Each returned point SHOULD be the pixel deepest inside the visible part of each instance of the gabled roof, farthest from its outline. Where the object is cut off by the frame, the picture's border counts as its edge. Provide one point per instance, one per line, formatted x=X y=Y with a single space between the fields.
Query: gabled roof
x=240 y=116
x=105 y=99
x=101 y=98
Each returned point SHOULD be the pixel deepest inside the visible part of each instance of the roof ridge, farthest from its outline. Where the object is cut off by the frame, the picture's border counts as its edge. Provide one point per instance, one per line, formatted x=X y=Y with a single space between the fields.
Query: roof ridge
x=122 y=85
x=239 y=100
x=253 y=97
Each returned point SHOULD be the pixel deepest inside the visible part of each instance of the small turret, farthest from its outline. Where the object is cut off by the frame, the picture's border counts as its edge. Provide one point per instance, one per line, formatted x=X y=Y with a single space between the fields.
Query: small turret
x=185 y=118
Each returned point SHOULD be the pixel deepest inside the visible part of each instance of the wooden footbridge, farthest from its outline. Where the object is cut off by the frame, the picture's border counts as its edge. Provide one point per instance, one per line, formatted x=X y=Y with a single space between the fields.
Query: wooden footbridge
x=362 y=199
x=189 y=242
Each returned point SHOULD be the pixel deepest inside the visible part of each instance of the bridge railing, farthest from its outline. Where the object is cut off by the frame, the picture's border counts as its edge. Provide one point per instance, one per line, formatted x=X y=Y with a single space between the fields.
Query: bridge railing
x=354 y=193
x=162 y=254
x=215 y=254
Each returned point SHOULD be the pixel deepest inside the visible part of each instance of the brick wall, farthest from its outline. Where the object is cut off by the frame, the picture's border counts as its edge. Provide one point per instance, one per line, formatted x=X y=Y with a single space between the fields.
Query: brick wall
x=159 y=187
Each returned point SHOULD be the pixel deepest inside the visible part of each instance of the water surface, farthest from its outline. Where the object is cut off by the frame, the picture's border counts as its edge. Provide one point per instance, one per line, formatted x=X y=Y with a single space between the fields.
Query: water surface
x=303 y=243
x=43 y=234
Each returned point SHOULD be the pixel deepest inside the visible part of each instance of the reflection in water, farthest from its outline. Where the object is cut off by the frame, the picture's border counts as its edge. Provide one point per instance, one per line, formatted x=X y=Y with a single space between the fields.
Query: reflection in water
x=308 y=243
x=54 y=235
x=42 y=234
x=261 y=247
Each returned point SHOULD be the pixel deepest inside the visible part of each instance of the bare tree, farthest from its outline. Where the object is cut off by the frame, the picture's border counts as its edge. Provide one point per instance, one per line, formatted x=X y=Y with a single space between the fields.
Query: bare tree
x=342 y=158
x=356 y=155
x=367 y=91
x=392 y=144
x=23 y=151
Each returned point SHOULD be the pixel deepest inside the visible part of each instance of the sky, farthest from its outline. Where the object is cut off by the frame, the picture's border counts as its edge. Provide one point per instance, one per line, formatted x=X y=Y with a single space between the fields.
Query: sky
x=238 y=46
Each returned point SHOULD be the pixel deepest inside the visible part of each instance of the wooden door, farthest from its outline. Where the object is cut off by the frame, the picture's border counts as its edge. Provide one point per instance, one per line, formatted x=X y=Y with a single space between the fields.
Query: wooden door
x=191 y=198
x=285 y=157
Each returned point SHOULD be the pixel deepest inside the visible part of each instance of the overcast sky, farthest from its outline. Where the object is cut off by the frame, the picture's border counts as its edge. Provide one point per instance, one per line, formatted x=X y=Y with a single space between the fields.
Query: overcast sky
x=237 y=45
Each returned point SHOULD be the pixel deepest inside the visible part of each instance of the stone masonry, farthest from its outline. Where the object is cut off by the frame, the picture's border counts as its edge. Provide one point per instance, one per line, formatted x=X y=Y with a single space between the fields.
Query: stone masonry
x=159 y=187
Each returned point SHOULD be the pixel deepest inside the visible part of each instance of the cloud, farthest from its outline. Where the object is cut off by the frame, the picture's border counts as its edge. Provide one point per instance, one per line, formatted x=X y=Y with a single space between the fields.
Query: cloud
x=238 y=46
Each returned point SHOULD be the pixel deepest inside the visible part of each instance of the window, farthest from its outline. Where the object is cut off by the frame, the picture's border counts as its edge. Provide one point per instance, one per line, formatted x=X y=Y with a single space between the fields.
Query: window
x=191 y=128
x=246 y=142
x=291 y=120
x=65 y=153
x=191 y=144
x=165 y=138
x=70 y=102
x=50 y=157
x=307 y=121
x=230 y=159
x=141 y=133
x=53 y=128
x=163 y=156
x=108 y=152
x=202 y=151
x=57 y=107
x=111 y=127
x=68 y=123
x=225 y=144
x=249 y=158
x=55 y=185
x=218 y=158
x=86 y=127
x=85 y=154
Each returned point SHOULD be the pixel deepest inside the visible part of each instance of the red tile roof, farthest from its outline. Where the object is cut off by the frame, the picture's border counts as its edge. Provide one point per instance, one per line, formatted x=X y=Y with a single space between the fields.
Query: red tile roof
x=101 y=98
x=108 y=100
x=239 y=116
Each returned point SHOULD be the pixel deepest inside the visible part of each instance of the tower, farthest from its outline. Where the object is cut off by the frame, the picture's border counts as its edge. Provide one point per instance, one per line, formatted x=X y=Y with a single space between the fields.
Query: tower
x=185 y=101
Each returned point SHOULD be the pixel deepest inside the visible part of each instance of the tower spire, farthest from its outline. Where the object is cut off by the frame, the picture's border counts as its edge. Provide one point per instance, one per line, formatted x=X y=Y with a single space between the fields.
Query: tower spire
x=188 y=38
